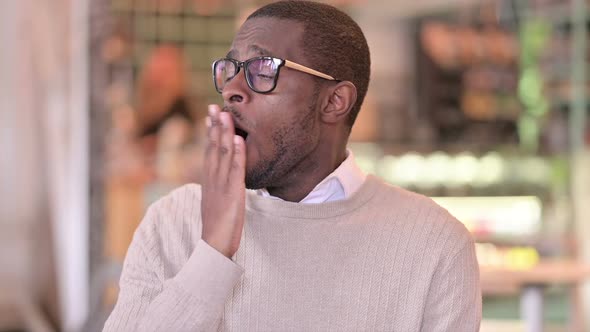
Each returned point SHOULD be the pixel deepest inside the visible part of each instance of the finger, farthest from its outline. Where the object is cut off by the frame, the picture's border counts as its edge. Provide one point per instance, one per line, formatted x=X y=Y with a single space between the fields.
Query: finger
x=213 y=137
x=237 y=175
x=226 y=146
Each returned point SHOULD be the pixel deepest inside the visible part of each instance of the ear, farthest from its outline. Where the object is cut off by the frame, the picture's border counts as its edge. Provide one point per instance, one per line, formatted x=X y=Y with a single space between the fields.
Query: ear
x=339 y=101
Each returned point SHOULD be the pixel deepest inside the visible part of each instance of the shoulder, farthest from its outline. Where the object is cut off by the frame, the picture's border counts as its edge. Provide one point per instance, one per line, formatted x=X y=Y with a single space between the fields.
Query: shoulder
x=179 y=201
x=173 y=219
x=167 y=233
x=423 y=217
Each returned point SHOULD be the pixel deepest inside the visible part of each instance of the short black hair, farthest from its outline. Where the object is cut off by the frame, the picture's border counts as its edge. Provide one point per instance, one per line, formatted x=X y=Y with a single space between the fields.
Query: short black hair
x=334 y=43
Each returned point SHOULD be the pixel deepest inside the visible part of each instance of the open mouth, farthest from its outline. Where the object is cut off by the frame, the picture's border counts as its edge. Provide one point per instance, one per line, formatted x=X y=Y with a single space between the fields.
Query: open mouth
x=242 y=133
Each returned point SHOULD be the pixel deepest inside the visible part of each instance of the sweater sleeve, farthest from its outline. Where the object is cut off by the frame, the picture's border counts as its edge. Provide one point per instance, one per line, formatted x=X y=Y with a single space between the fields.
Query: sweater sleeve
x=192 y=300
x=454 y=298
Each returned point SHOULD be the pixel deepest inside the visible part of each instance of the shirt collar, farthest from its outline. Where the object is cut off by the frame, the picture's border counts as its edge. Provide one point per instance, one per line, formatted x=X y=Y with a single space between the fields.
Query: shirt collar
x=344 y=181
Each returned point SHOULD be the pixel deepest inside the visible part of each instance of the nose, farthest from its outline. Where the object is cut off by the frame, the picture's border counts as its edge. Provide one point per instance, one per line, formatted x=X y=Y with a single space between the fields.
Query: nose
x=236 y=90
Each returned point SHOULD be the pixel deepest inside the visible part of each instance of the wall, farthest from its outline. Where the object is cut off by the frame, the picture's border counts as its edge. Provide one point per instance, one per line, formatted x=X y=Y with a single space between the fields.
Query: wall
x=43 y=164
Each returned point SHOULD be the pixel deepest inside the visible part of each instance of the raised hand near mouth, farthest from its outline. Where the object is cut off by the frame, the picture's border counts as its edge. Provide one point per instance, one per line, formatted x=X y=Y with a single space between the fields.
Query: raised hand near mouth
x=223 y=185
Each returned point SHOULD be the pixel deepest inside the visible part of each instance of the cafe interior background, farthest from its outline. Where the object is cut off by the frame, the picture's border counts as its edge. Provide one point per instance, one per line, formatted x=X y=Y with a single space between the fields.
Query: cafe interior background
x=482 y=105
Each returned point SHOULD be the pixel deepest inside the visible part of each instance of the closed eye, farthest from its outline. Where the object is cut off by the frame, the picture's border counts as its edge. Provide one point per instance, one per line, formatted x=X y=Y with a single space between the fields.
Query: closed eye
x=265 y=77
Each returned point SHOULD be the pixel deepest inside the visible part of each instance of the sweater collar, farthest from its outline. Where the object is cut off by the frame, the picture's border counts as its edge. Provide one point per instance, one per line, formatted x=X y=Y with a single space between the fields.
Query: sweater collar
x=344 y=181
x=284 y=209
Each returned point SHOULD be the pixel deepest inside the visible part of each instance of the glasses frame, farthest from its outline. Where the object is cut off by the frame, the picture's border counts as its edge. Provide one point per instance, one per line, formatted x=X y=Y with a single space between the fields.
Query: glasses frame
x=282 y=62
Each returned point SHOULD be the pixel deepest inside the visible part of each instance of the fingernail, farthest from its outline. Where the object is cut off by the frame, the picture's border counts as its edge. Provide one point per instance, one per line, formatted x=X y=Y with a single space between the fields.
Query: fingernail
x=212 y=110
x=223 y=119
x=237 y=139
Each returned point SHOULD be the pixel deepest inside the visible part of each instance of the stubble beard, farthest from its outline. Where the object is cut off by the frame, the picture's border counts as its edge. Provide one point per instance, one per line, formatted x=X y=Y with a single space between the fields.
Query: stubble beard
x=271 y=172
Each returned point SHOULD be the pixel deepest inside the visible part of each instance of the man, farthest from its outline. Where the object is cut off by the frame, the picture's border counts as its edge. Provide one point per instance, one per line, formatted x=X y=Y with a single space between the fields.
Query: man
x=318 y=245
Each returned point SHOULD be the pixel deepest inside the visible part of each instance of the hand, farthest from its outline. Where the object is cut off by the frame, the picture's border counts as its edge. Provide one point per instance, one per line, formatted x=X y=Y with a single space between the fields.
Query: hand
x=223 y=200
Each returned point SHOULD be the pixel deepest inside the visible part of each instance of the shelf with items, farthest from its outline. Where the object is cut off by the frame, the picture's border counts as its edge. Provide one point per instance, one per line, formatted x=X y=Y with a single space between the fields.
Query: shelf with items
x=497 y=82
x=466 y=82
x=554 y=66
x=505 y=172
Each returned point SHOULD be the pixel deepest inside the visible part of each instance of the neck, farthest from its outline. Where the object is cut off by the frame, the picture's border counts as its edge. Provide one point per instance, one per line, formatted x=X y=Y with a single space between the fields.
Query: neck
x=307 y=175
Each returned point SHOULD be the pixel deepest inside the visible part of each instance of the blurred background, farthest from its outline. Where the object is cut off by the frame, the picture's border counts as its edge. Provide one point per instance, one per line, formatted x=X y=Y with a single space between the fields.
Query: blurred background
x=482 y=105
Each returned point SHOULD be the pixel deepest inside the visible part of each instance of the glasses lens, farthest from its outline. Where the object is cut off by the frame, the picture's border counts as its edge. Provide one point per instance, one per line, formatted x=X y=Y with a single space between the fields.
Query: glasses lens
x=262 y=74
x=223 y=71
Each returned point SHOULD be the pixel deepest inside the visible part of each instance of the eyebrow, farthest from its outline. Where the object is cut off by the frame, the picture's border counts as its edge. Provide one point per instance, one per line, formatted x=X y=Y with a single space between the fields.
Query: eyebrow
x=252 y=48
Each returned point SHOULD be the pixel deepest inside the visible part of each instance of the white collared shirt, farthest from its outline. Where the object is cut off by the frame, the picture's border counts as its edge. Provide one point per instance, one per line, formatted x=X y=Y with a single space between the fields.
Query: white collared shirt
x=340 y=184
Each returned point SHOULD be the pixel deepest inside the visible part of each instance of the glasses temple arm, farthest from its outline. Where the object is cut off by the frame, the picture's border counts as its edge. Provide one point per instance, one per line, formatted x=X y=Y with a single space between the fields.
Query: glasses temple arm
x=308 y=70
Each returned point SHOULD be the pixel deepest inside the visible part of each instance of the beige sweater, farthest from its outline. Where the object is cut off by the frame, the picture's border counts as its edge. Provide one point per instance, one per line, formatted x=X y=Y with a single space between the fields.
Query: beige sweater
x=383 y=260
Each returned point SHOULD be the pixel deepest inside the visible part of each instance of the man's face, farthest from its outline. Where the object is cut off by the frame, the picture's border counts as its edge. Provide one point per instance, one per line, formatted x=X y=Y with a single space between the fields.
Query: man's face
x=282 y=126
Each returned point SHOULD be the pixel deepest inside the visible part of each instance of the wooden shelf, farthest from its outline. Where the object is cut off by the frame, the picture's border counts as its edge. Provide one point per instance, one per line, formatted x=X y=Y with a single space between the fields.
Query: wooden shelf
x=499 y=280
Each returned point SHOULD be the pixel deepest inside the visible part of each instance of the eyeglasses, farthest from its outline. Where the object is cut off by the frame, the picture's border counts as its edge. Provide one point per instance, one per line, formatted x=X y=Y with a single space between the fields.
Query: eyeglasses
x=261 y=72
